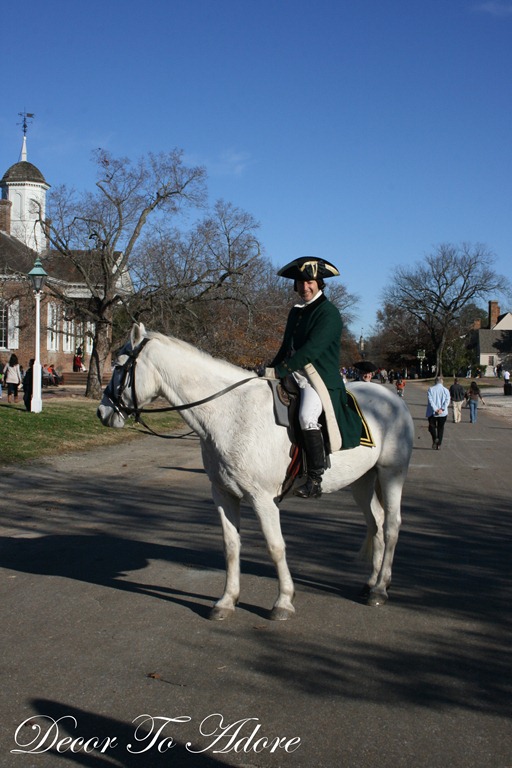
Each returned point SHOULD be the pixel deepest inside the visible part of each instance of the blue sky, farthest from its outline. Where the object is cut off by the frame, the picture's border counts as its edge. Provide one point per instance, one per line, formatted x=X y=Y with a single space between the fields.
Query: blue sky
x=363 y=131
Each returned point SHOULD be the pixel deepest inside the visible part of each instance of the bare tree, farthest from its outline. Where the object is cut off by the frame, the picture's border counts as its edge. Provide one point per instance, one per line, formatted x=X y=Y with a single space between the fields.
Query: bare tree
x=97 y=232
x=199 y=284
x=214 y=287
x=397 y=337
x=436 y=291
x=344 y=300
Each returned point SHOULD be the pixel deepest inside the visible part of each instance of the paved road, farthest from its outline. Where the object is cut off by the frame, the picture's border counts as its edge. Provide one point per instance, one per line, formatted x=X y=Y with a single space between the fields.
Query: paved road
x=109 y=562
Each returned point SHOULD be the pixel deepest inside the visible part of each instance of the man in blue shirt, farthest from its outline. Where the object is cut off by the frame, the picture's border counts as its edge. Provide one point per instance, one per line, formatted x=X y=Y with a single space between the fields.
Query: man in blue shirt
x=437 y=411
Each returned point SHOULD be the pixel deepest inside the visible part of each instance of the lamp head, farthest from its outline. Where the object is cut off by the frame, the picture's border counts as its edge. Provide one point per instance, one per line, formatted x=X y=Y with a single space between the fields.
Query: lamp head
x=38 y=275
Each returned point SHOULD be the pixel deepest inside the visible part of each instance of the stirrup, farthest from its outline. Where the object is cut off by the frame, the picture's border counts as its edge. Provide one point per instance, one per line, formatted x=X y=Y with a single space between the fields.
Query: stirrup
x=312 y=489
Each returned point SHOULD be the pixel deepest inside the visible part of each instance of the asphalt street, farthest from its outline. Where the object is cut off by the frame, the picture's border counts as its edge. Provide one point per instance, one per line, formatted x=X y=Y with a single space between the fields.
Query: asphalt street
x=110 y=561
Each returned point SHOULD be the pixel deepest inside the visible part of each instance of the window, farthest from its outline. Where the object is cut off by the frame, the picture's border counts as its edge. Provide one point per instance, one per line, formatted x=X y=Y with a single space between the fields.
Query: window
x=53 y=327
x=68 y=338
x=491 y=360
x=13 y=325
x=4 y=314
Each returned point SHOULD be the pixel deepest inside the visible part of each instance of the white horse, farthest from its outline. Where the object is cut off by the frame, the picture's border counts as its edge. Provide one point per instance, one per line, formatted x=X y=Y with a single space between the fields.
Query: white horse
x=246 y=454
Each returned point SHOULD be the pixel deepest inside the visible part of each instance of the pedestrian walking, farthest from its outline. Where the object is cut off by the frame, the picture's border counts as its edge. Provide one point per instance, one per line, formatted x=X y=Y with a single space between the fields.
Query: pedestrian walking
x=473 y=395
x=438 y=399
x=456 y=398
x=12 y=378
x=28 y=384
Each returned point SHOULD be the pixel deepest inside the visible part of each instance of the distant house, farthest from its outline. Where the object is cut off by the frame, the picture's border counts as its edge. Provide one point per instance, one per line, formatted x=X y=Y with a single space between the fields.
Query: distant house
x=493 y=344
x=22 y=239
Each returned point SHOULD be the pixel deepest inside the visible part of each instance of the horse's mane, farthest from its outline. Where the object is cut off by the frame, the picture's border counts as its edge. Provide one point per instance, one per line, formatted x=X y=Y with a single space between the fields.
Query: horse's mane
x=186 y=347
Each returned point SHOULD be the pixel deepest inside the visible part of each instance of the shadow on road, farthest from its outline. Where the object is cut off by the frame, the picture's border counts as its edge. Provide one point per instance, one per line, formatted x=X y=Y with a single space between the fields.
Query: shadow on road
x=109 y=741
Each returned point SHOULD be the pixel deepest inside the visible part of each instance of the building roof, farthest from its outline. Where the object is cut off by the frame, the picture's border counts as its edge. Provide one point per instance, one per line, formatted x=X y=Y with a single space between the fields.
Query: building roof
x=63 y=268
x=504 y=322
x=492 y=342
x=23 y=172
x=15 y=257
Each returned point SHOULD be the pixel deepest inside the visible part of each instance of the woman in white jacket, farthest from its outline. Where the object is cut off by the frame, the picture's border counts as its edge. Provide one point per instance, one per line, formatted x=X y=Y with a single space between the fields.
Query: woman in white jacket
x=12 y=378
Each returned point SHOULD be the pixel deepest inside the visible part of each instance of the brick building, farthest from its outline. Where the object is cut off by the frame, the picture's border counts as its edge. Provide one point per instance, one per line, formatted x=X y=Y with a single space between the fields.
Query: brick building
x=22 y=239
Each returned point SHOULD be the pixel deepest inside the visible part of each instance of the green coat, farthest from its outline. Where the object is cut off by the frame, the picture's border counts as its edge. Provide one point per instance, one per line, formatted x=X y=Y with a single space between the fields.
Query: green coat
x=313 y=335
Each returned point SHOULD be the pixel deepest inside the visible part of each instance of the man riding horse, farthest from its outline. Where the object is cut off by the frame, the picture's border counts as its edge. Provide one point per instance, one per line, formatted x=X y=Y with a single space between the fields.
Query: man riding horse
x=313 y=336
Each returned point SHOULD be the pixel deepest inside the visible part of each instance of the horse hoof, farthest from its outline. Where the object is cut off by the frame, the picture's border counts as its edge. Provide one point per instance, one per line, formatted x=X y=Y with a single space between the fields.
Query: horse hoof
x=218 y=613
x=281 y=614
x=376 y=598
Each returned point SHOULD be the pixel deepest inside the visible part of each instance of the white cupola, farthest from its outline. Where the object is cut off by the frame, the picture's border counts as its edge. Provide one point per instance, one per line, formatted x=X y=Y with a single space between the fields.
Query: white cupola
x=25 y=187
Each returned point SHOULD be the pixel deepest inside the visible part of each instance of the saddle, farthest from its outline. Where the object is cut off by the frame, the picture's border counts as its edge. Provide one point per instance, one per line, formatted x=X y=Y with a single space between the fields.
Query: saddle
x=286 y=399
x=286 y=396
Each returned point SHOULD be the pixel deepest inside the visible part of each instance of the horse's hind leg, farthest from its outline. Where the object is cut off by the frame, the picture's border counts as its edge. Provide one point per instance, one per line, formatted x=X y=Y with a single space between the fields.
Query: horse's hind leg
x=364 y=493
x=390 y=486
x=228 y=508
x=379 y=496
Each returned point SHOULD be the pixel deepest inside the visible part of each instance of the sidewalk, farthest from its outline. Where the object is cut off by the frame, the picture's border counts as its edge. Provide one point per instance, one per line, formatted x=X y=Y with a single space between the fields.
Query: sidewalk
x=62 y=391
x=495 y=398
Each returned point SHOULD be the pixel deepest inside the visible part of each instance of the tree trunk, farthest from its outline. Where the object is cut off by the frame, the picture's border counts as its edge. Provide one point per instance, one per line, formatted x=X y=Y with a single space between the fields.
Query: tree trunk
x=100 y=357
x=439 y=356
x=439 y=364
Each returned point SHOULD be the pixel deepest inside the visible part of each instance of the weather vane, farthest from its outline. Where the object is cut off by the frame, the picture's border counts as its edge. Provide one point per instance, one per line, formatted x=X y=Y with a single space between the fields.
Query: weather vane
x=26 y=116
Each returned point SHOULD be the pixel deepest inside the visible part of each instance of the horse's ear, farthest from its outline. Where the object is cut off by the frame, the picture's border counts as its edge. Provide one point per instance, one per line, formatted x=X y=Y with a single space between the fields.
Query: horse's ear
x=137 y=334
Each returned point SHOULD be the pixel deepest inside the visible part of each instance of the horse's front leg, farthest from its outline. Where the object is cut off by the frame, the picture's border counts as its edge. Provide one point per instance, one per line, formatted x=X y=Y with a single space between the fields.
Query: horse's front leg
x=268 y=515
x=228 y=508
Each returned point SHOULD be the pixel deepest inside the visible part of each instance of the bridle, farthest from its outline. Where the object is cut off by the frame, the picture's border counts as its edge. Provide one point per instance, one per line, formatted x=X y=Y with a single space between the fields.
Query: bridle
x=114 y=393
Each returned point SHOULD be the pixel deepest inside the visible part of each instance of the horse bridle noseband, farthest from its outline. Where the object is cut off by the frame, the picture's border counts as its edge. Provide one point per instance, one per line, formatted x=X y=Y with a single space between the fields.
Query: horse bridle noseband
x=128 y=378
x=115 y=394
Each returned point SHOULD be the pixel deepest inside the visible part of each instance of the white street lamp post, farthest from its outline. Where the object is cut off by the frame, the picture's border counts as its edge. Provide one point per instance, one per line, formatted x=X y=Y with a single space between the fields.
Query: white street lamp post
x=421 y=357
x=38 y=277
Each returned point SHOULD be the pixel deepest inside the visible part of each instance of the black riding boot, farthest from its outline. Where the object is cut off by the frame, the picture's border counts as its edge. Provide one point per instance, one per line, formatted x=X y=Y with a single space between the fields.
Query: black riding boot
x=315 y=458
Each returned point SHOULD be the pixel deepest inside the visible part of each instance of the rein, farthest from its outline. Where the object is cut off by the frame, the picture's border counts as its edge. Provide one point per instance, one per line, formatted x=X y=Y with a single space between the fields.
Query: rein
x=184 y=407
x=199 y=402
x=128 y=372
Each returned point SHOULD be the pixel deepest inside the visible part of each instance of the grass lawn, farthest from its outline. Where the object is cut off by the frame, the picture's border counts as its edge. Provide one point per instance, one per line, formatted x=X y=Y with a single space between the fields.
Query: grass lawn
x=64 y=426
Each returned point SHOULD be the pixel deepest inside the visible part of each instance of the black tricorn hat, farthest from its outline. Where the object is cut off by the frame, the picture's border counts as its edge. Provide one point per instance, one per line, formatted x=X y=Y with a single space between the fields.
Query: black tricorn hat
x=365 y=366
x=308 y=268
